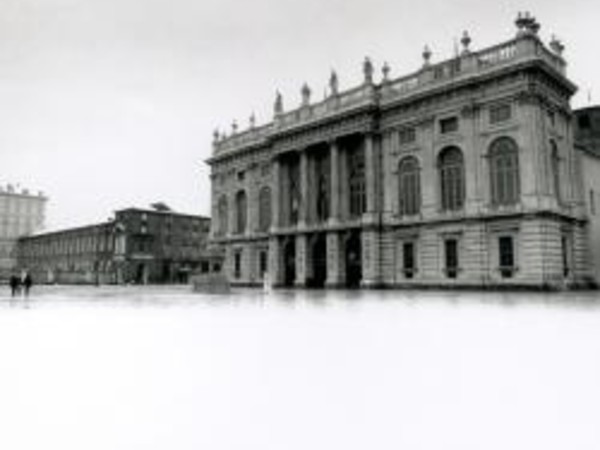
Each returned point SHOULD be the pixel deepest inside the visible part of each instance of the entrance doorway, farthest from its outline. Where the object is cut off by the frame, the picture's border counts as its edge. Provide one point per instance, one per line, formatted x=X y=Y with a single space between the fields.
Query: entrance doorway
x=353 y=260
x=319 y=261
x=289 y=263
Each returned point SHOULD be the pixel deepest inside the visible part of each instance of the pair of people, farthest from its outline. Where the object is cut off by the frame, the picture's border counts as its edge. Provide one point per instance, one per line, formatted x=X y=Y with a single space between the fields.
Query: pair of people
x=16 y=283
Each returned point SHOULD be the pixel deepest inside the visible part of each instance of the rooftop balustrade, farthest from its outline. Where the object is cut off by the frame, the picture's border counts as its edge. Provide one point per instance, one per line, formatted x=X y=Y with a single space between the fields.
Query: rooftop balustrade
x=525 y=47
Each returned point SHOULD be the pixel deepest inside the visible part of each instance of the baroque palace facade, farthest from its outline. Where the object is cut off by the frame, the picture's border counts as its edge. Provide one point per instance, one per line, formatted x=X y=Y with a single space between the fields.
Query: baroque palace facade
x=464 y=173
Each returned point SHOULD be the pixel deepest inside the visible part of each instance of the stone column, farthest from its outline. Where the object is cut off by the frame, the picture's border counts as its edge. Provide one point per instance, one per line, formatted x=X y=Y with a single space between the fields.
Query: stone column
x=276 y=192
x=370 y=176
x=301 y=260
x=334 y=167
x=335 y=261
x=304 y=203
x=370 y=258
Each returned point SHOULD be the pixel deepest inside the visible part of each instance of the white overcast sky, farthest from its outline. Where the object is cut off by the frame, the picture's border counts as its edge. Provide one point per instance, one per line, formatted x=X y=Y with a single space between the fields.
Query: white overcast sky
x=106 y=104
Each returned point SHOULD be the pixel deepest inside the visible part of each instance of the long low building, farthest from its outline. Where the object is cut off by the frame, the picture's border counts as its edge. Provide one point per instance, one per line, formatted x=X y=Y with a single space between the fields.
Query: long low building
x=463 y=173
x=137 y=246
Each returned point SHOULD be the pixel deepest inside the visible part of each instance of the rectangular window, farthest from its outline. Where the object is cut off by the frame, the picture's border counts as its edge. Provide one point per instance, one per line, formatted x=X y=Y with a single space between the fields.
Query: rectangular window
x=565 y=255
x=449 y=125
x=407 y=135
x=264 y=262
x=506 y=254
x=583 y=121
x=237 y=261
x=451 y=254
x=500 y=113
x=408 y=259
x=241 y=175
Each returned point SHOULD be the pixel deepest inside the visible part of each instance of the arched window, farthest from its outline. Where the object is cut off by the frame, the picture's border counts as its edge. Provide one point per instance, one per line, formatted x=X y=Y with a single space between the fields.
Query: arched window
x=223 y=216
x=409 y=186
x=356 y=181
x=264 y=209
x=241 y=210
x=504 y=172
x=555 y=168
x=452 y=178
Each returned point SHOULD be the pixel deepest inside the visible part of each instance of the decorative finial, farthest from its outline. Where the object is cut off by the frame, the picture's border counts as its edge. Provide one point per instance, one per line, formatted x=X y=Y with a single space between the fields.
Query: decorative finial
x=385 y=71
x=526 y=24
x=465 y=41
x=333 y=83
x=426 y=55
x=234 y=127
x=305 y=91
x=216 y=135
x=252 y=120
x=368 y=70
x=557 y=46
x=278 y=107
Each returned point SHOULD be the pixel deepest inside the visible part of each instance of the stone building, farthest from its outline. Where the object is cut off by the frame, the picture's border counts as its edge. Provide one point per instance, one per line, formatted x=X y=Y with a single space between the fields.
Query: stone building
x=587 y=137
x=82 y=255
x=137 y=246
x=21 y=213
x=463 y=173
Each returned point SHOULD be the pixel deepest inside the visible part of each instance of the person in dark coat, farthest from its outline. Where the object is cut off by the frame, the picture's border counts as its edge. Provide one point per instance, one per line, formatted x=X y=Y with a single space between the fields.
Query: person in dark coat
x=15 y=284
x=27 y=282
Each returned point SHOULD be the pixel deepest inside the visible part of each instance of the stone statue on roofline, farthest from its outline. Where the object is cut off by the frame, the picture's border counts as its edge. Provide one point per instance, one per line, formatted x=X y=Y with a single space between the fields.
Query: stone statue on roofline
x=333 y=83
x=278 y=107
x=368 y=70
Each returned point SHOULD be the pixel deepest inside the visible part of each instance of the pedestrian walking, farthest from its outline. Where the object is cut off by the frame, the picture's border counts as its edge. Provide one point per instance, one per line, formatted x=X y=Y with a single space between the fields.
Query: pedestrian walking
x=15 y=284
x=27 y=283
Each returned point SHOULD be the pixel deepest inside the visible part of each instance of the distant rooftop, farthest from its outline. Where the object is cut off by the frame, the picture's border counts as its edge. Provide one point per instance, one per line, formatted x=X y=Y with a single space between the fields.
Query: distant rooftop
x=17 y=190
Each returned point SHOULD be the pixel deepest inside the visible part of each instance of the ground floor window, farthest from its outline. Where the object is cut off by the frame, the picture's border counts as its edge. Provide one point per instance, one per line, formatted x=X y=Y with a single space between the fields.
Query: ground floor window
x=263 y=262
x=565 y=255
x=451 y=257
x=409 y=265
x=506 y=254
x=237 y=262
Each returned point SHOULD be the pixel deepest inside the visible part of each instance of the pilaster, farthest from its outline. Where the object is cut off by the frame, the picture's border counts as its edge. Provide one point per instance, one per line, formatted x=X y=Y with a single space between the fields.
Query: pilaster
x=335 y=261
x=334 y=167
x=301 y=260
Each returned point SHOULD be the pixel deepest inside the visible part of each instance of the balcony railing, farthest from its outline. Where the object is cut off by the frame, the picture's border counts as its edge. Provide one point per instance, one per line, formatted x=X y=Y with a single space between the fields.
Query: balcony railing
x=468 y=64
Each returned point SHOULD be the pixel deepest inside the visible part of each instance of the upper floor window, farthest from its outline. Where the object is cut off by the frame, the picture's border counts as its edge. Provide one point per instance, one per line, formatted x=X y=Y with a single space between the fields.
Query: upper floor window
x=407 y=135
x=241 y=211
x=356 y=181
x=322 y=174
x=223 y=214
x=504 y=172
x=241 y=175
x=500 y=113
x=452 y=178
x=449 y=125
x=264 y=209
x=584 y=122
x=409 y=186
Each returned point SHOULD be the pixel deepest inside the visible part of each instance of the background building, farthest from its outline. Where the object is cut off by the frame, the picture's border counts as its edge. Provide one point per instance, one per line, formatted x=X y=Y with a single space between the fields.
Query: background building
x=463 y=173
x=137 y=246
x=21 y=213
x=587 y=136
